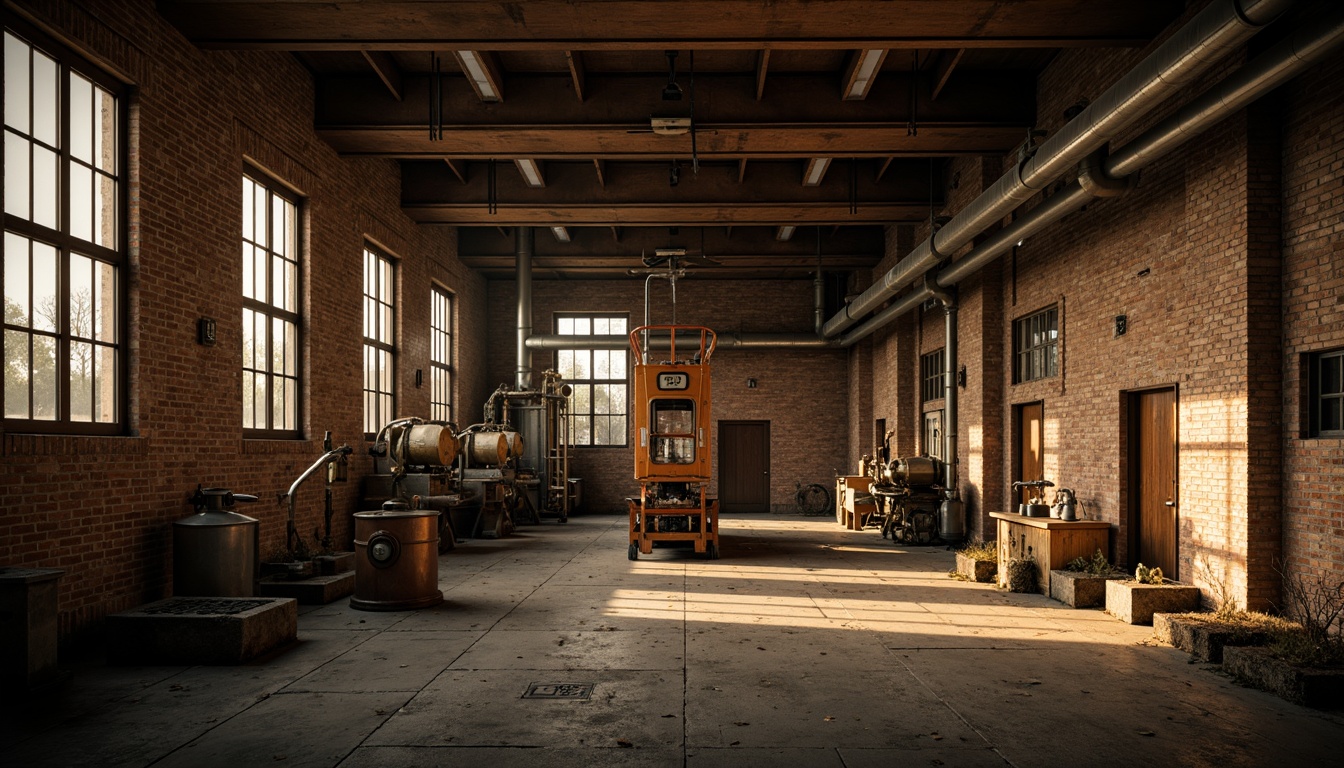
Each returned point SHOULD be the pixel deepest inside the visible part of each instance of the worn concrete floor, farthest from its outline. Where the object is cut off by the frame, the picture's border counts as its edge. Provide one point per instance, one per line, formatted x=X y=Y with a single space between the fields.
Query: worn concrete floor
x=806 y=645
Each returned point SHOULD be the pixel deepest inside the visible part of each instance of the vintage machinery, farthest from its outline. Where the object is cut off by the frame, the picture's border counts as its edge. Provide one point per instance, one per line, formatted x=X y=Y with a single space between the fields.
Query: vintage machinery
x=413 y=465
x=215 y=550
x=1035 y=506
x=541 y=461
x=396 y=559
x=672 y=433
x=486 y=469
x=912 y=498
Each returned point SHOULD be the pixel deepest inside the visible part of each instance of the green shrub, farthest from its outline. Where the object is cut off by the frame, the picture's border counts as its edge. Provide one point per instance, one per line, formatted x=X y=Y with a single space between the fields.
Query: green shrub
x=1097 y=565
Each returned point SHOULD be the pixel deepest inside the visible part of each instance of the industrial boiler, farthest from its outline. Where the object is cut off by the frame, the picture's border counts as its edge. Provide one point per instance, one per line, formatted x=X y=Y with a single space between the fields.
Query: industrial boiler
x=672 y=450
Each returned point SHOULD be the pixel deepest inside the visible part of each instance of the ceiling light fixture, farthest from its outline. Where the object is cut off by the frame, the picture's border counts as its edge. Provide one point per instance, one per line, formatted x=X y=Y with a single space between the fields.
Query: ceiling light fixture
x=816 y=171
x=672 y=92
x=478 y=70
x=785 y=232
x=531 y=171
x=866 y=64
x=561 y=234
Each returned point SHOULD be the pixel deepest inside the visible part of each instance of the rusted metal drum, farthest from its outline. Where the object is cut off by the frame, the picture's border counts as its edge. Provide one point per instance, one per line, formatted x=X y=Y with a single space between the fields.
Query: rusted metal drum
x=431 y=444
x=487 y=448
x=917 y=470
x=515 y=441
x=396 y=560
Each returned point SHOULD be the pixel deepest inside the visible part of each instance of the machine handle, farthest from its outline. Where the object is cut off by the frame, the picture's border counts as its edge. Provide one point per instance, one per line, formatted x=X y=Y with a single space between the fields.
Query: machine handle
x=244 y=497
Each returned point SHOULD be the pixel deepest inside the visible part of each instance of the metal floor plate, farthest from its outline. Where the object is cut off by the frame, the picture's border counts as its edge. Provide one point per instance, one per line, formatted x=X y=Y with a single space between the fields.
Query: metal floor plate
x=565 y=691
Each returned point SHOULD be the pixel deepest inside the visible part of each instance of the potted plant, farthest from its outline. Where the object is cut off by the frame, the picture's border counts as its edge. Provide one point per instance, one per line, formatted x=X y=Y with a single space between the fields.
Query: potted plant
x=1134 y=601
x=978 y=561
x=1082 y=581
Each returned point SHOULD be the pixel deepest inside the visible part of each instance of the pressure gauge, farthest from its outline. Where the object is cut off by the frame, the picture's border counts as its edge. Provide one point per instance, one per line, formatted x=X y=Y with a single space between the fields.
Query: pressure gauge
x=384 y=549
x=674 y=380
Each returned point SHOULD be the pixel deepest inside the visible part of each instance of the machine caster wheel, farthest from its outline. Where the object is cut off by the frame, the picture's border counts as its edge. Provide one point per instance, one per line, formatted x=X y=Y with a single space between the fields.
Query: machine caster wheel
x=564 y=520
x=711 y=551
x=633 y=552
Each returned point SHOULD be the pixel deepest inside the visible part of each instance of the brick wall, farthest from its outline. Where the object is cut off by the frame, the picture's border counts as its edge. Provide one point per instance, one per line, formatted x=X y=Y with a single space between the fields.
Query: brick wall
x=102 y=508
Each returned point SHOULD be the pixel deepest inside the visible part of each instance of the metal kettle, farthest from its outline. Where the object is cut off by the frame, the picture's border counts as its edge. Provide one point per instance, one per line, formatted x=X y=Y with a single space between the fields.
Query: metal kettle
x=1066 y=505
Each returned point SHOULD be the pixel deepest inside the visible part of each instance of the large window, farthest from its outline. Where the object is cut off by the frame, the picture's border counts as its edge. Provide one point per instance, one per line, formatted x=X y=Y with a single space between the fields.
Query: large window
x=270 y=309
x=380 y=314
x=1036 y=346
x=1326 y=394
x=440 y=355
x=597 y=408
x=63 y=335
x=931 y=376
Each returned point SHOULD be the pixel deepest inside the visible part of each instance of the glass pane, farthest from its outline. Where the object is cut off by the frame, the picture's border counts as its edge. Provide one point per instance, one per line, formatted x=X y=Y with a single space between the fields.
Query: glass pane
x=44 y=377
x=105 y=384
x=81 y=381
x=601 y=431
x=277 y=342
x=46 y=314
x=601 y=326
x=16 y=372
x=385 y=332
x=278 y=402
x=259 y=215
x=16 y=284
x=17 y=82
x=260 y=350
x=279 y=240
x=45 y=205
x=291 y=286
x=247 y=272
x=1332 y=414
x=45 y=98
x=259 y=276
x=618 y=365
x=81 y=118
x=384 y=371
x=617 y=430
x=277 y=297
x=581 y=401
x=248 y=187
x=81 y=202
x=105 y=135
x=564 y=363
x=291 y=404
x=564 y=325
x=601 y=364
x=17 y=176
x=583 y=430
x=618 y=325
x=104 y=301
x=618 y=399
x=291 y=349
x=81 y=296
x=249 y=342
x=249 y=419
x=583 y=326
x=105 y=211
x=601 y=399
x=259 y=399
x=1332 y=375
x=583 y=365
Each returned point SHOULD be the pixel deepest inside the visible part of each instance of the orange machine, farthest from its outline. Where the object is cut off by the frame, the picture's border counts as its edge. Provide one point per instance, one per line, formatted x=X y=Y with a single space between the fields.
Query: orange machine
x=672 y=436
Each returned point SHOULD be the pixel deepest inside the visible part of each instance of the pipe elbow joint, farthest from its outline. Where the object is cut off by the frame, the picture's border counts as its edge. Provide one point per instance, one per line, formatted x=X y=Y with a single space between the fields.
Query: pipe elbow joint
x=1094 y=180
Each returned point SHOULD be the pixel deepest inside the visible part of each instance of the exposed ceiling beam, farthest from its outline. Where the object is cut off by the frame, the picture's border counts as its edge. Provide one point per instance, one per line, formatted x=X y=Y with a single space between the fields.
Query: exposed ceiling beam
x=741 y=170
x=576 y=71
x=860 y=73
x=946 y=63
x=668 y=214
x=601 y=167
x=881 y=171
x=483 y=72
x=385 y=66
x=629 y=24
x=762 y=66
x=616 y=234
x=458 y=168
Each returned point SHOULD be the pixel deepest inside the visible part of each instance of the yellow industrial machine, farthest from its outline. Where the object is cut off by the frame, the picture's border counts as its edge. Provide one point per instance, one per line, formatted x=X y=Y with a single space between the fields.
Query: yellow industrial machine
x=672 y=437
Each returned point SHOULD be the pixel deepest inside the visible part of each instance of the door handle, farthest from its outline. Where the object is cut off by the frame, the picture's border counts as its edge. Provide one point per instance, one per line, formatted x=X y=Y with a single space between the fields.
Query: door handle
x=1170 y=503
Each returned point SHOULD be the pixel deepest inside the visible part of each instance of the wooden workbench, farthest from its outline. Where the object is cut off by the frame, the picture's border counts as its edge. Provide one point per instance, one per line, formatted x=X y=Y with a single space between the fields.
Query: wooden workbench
x=1053 y=542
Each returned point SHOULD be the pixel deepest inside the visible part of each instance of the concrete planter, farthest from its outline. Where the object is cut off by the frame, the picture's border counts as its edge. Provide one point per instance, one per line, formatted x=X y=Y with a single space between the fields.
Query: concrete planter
x=977 y=570
x=1313 y=687
x=1135 y=603
x=1203 y=636
x=1079 y=590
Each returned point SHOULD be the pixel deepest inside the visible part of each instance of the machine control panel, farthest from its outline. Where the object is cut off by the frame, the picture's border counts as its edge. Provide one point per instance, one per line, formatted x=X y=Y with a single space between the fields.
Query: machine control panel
x=674 y=380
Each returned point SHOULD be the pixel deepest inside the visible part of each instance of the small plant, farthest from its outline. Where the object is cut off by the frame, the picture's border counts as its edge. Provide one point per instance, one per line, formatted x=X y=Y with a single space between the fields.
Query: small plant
x=1318 y=605
x=1226 y=607
x=958 y=575
x=1145 y=575
x=1097 y=565
x=1022 y=573
x=982 y=551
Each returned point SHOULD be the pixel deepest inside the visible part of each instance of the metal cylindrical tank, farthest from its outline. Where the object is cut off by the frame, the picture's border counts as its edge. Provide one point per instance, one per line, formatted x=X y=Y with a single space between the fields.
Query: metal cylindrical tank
x=431 y=444
x=215 y=555
x=396 y=559
x=487 y=448
x=916 y=470
x=515 y=441
x=952 y=521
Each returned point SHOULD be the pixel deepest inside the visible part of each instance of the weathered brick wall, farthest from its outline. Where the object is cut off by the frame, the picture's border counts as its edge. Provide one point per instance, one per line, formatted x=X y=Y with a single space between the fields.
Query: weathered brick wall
x=802 y=393
x=102 y=508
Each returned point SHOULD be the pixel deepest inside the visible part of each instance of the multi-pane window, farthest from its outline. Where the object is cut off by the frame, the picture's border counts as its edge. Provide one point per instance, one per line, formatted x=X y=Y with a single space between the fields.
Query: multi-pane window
x=270 y=309
x=380 y=314
x=932 y=434
x=597 y=407
x=1326 y=394
x=931 y=376
x=63 y=257
x=440 y=355
x=1036 y=346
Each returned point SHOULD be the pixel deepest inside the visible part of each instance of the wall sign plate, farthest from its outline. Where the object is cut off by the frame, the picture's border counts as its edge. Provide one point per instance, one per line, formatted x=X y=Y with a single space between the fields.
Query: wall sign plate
x=674 y=380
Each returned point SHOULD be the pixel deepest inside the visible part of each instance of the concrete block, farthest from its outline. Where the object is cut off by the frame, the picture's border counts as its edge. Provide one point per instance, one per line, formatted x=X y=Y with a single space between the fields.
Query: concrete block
x=202 y=630
x=316 y=590
x=28 y=601
x=1313 y=687
x=337 y=562
x=1079 y=590
x=1204 y=637
x=1135 y=603
x=977 y=570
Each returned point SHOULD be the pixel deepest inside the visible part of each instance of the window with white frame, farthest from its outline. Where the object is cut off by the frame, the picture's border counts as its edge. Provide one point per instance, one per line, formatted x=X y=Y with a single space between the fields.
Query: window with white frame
x=64 y=256
x=597 y=407
x=379 y=339
x=271 y=318
x=440 y=354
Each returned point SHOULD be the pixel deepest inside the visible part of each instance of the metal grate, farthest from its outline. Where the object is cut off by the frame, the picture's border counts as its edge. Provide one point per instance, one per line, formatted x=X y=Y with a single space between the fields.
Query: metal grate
x=566 y=691
x=206 y=607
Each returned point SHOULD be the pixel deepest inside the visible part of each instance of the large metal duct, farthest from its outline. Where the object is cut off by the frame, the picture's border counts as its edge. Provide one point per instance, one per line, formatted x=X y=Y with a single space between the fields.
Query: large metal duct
x=1208 y=37
x=726 y=341
x=522 y=251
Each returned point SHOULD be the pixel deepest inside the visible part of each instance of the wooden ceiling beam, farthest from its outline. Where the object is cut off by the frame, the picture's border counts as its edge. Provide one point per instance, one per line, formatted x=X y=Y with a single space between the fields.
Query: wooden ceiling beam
x=762 y=66
x=947 y=62
x=577 y=72
x=601 y=167
x=458 y=167
x=385 y=66
x=663 y=214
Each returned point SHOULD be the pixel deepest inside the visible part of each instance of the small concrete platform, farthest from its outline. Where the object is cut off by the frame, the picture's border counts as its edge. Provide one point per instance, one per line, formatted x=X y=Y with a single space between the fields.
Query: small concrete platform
x=314 y=590
x=202 y=630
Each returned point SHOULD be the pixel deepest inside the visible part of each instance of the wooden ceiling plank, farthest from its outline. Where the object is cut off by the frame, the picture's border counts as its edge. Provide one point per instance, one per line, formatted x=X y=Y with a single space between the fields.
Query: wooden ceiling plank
x=385 y=66
x=946 y=63
x=576 y=71
x=762 y=66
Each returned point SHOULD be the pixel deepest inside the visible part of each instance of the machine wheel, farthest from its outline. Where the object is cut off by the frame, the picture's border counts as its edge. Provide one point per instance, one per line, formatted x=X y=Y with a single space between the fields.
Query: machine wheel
x=564 y=519
x=633 y=552
x=711 y=551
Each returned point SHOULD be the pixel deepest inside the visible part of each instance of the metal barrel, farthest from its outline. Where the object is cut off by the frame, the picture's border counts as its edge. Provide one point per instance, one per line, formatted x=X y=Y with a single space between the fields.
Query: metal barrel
x=487 y=448
x=396 y=560
x=431 y=444
x=215 y=555
x=515 y=441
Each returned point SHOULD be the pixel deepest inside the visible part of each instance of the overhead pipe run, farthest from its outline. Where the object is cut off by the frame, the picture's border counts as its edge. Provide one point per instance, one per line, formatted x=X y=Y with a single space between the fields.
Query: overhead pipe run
x=727 y=340
x=1207 y=38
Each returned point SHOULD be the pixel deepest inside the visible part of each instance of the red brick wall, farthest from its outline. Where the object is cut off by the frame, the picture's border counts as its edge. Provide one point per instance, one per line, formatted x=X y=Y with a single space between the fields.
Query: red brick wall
x=102 y=508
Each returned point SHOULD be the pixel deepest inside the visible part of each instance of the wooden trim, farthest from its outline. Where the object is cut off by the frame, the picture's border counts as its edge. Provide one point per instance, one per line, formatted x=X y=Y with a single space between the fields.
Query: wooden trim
x=387 y=70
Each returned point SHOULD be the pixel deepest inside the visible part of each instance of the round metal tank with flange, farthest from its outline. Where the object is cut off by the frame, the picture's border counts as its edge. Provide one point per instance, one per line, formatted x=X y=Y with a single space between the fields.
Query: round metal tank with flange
x=431 y=444
x=396 y=559
x=916 y=470
x=489 y=449
x=515 y=441
x=215 y=550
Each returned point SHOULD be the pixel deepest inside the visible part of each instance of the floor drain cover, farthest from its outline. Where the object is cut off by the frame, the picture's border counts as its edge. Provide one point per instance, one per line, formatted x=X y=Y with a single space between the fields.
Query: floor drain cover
x=568 y=691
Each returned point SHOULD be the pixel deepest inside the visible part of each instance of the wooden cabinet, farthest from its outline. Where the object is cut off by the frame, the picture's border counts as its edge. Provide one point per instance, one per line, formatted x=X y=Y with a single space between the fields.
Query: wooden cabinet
x=1052 y=542
x=849 y=511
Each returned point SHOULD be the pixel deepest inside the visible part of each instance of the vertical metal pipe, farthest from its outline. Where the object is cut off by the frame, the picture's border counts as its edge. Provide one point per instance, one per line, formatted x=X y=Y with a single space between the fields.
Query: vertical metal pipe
x=950 y=396
x=818 y=302
x=523 y=245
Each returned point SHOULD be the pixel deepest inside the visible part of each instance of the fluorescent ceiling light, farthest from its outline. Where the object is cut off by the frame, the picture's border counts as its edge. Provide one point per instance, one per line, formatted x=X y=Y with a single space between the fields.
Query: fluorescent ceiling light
x=476 y=70
x=561 y=234
x=531 y=172
x=868 y=63
x=785 y=232
x=816 y=171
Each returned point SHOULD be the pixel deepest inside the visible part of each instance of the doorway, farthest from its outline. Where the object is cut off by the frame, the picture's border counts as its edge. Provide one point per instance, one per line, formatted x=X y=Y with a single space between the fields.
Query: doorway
x=744 y=466
x=1153 y=512
x=1029 y=456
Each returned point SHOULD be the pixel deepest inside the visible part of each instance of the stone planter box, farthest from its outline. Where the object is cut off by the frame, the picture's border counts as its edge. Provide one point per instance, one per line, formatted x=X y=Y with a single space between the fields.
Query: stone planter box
x=1313 y=687
x=298 y=569
x=337 y=562
x=977 y=570
x=1079 y=590
x=1204 y=637
x=1135 y=603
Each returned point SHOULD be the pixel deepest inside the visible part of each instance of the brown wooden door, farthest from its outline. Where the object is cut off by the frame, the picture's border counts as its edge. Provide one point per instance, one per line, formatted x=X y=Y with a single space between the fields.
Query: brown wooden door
x=1153 y=487
x=1030 y=446
x=744 y=466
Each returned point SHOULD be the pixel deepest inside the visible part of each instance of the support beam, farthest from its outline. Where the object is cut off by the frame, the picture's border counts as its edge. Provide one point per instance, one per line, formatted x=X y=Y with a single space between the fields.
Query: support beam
x=387 y=70
x=458 y=167
x=762 y=66
x=741 y=170
x=881 y=171
x=860 y=73
x=946 y=63
x=482 y=71
x=576 y=71
x=601 y=167
x=616 y=234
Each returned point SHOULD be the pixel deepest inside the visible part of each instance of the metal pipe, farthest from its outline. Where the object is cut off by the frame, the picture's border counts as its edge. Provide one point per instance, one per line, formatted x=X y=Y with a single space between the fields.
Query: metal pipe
x=818 y=302
x=726 y=341
x=1205 y=39
x=949 y=302
x=291 y=532
x=523 y=249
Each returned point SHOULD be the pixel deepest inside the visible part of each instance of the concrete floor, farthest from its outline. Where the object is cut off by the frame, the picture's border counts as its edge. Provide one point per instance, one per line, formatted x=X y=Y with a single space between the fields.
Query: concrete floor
x=806 y=645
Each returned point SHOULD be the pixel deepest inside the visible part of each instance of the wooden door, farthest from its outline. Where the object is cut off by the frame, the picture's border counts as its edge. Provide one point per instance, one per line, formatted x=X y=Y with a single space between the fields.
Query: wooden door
x=1153 y=488
x=744 y=466
x=1030 y=458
